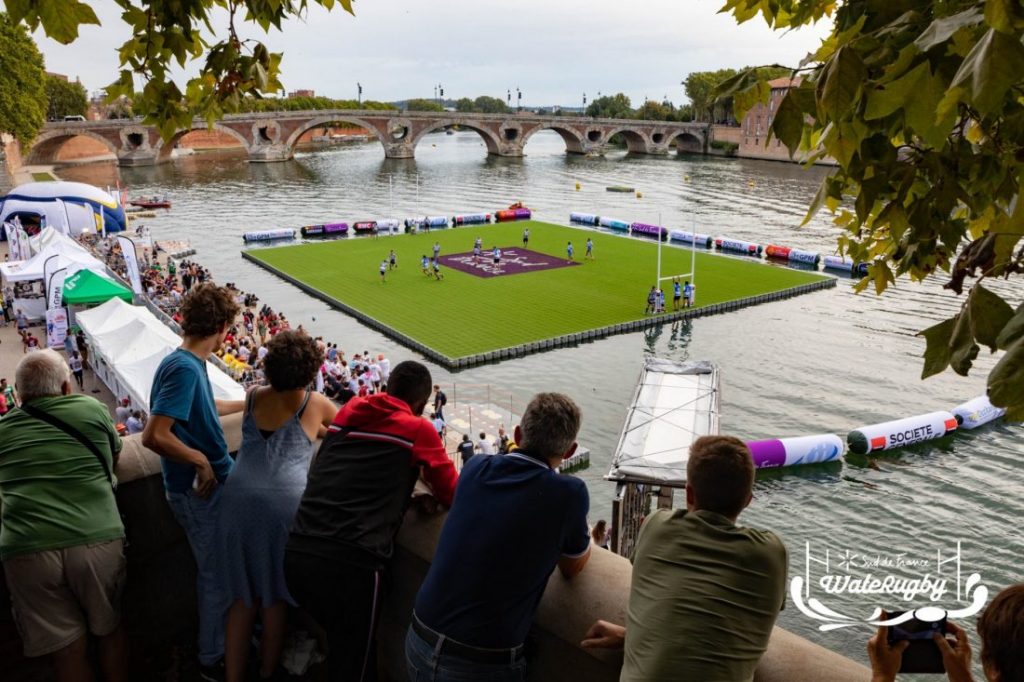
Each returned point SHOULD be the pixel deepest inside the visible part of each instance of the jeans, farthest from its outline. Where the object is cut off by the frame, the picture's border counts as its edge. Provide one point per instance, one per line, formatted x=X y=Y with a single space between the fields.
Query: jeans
x=198 y=517
x=429 y=663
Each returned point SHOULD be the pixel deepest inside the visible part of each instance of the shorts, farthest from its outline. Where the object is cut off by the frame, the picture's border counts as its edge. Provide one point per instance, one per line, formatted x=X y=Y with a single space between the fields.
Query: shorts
x=497 y=260
x=58 y=595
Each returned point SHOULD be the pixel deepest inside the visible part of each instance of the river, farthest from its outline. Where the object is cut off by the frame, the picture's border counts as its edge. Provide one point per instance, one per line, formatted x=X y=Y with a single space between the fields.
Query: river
x=825 y=362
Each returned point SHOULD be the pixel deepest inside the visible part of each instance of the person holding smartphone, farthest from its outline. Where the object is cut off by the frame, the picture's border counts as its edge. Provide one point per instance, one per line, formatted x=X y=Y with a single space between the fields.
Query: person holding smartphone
x=1001 y=628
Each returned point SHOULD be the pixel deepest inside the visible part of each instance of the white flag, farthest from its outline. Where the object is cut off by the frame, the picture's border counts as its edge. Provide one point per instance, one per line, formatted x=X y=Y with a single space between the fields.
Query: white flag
x=54 y=280
x=12 y=240
x=131 y=262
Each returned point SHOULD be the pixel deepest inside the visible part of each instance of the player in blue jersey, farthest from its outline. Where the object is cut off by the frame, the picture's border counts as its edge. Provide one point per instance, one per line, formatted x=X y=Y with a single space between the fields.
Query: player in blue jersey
x=569 y=252
x=425 y=265
x=590 y=249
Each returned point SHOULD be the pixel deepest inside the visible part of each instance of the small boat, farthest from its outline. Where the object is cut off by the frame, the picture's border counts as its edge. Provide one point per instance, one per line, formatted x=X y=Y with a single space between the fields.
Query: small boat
x=620 y=188
x=151 y=202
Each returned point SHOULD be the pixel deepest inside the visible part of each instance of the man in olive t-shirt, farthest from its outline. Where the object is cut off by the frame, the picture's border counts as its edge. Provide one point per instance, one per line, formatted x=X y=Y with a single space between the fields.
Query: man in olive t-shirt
x=61 y=537
x=705 y=592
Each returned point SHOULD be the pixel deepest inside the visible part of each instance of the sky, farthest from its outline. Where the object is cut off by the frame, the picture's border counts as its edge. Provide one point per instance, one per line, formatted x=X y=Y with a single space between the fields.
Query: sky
x=554 y=51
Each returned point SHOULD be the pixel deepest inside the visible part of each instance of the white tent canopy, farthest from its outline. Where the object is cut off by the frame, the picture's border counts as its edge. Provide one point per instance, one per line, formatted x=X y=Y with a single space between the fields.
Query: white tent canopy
x=127 y=345
x=675 y=403
x=70 y=254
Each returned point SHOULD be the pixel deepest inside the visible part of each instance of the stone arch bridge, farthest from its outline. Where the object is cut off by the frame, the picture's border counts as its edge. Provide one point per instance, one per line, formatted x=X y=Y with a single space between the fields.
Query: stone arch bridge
x=272 y=136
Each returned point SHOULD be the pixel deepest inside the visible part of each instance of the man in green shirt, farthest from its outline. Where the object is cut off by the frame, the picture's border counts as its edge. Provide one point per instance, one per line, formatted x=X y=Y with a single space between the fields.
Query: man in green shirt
x=705 y=592
x=61 y=537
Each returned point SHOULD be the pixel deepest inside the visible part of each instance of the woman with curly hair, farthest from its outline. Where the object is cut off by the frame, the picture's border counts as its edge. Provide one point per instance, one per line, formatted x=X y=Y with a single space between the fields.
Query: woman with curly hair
x=281 y=424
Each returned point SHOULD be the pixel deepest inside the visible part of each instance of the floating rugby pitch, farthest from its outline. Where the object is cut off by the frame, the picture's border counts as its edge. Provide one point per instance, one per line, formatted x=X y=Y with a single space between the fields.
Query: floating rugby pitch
x=469 y=318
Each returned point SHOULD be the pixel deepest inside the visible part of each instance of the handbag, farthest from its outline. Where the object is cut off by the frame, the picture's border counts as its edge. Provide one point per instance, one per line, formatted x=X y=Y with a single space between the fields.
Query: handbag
x=74 y=433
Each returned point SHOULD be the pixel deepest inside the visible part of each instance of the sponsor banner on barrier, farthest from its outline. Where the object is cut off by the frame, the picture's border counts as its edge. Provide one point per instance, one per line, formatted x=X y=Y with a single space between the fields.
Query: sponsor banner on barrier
x=268 y=235
x=901 y=432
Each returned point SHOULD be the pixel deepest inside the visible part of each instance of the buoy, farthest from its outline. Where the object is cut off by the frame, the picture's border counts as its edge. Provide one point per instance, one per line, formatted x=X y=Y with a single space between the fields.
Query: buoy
x=784 y=452
x=577 y=187
x=699 y=239
x=750 y=183
x=639 y=195
x=268 y=235
x=977 y=412
x=584 y=218
x=686 y=178
x=433 y=145
x=901 y=432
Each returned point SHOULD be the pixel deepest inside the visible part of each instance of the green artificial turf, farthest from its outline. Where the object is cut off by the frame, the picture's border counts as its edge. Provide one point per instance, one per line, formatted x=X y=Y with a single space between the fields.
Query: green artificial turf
x=464 y=315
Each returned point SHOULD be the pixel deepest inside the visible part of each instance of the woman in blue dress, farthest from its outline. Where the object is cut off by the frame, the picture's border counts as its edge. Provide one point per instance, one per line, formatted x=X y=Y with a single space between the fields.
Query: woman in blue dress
x=279 y=430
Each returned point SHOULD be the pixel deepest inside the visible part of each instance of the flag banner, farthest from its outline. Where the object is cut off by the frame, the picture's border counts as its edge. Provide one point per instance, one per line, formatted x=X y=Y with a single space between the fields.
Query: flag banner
x=131 y=262
x=56 y=327
x=54 y=282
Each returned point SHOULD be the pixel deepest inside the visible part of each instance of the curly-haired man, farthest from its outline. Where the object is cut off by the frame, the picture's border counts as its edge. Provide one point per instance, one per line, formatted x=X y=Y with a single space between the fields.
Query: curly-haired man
x=184 y=429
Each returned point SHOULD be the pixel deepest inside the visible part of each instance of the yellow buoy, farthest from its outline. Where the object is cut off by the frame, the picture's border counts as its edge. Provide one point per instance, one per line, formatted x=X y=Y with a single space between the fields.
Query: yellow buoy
x=577 y=187
x=686 y=178
x=639 y=195
x=750 y=184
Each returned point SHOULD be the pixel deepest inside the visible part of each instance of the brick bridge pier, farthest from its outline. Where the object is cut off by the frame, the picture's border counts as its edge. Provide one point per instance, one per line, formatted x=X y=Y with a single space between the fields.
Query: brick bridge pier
x=272 y=136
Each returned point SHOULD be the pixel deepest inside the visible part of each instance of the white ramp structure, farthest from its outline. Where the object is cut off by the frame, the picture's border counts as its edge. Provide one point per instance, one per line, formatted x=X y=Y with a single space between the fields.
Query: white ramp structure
x=674 y=404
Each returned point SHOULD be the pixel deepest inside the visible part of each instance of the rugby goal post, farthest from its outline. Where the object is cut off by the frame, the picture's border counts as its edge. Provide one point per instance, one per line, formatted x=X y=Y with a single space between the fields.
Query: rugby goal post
x=690 y=276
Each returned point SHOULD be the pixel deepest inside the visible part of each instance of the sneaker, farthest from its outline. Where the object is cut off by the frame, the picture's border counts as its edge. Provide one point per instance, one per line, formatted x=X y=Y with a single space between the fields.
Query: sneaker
x=212 y=673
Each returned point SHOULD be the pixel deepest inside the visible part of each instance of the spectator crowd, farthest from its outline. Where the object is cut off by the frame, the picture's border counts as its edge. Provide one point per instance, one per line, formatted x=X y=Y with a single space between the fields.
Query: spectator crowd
x=285 y=524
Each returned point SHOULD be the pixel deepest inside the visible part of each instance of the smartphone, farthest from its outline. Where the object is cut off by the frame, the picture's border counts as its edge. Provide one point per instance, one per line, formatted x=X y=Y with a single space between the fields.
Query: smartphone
x=922 y=655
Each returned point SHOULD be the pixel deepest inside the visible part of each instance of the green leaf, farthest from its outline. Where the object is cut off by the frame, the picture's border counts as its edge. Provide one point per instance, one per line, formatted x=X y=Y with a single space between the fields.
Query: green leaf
x=942 y=29
x=840 y=82
x=962 y=348
x=936 y=353
x=788 y=124
x=995 y=64
x=61 y=18
x=1003 y=15
x=1013 y=331
x=989 y=315
x=1006 y=380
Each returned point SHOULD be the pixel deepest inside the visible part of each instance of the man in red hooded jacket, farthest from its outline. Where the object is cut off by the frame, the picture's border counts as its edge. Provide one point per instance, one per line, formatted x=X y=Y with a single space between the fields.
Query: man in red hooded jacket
x=360 y=485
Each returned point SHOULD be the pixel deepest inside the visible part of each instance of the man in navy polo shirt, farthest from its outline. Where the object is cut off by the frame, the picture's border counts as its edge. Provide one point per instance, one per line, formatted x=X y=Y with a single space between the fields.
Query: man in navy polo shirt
x=533 y=519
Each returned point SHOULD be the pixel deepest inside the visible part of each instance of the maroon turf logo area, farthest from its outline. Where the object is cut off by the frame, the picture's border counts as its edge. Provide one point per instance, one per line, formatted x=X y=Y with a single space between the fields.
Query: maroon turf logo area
x=513 y=261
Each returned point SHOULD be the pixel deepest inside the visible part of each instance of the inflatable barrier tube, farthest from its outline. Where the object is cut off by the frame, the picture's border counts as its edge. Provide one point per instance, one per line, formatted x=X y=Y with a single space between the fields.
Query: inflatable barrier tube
x=268 y=235
x=614 y=224
x=584 y=219
x=901 y=432
x=389 y=224
x=650 y=231
x=703 y=240
x=809 y=257
x=471 y=219
x=325 y=230
x=365 y=226
x=977 y=412
x=738 y=246
x=774 y=251
x=845 y=265
x=509 y=214
x=786 y=452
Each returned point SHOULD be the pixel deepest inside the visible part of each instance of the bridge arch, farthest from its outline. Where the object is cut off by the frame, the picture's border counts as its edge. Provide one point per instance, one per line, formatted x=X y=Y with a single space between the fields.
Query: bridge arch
x=168 y=147
x=636 y=142
x=686 y=143
x=490 y=140
x=574 y=140
x=321 y=121
x=46 y=146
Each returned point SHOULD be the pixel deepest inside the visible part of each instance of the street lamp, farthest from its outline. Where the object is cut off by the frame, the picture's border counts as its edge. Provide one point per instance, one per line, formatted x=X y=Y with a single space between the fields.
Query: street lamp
x=519 y=99
x=359 y=93
x=510 y=98
x=440 y=90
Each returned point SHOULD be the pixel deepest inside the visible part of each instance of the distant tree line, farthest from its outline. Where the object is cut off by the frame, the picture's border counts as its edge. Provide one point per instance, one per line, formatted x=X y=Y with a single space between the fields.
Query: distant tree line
x=700 y=86
x=620 y=106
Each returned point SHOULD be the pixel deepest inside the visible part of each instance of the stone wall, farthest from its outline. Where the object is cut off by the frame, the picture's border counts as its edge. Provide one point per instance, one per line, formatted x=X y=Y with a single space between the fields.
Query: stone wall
x=724 y=133
x=10 y=158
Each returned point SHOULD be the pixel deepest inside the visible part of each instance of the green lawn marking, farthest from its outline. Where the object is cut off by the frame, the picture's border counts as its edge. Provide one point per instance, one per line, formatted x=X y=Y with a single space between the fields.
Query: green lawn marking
x=464 y=315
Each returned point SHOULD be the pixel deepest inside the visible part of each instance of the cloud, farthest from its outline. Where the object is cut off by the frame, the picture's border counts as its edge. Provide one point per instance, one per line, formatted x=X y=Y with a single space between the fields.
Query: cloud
x=554 y=50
